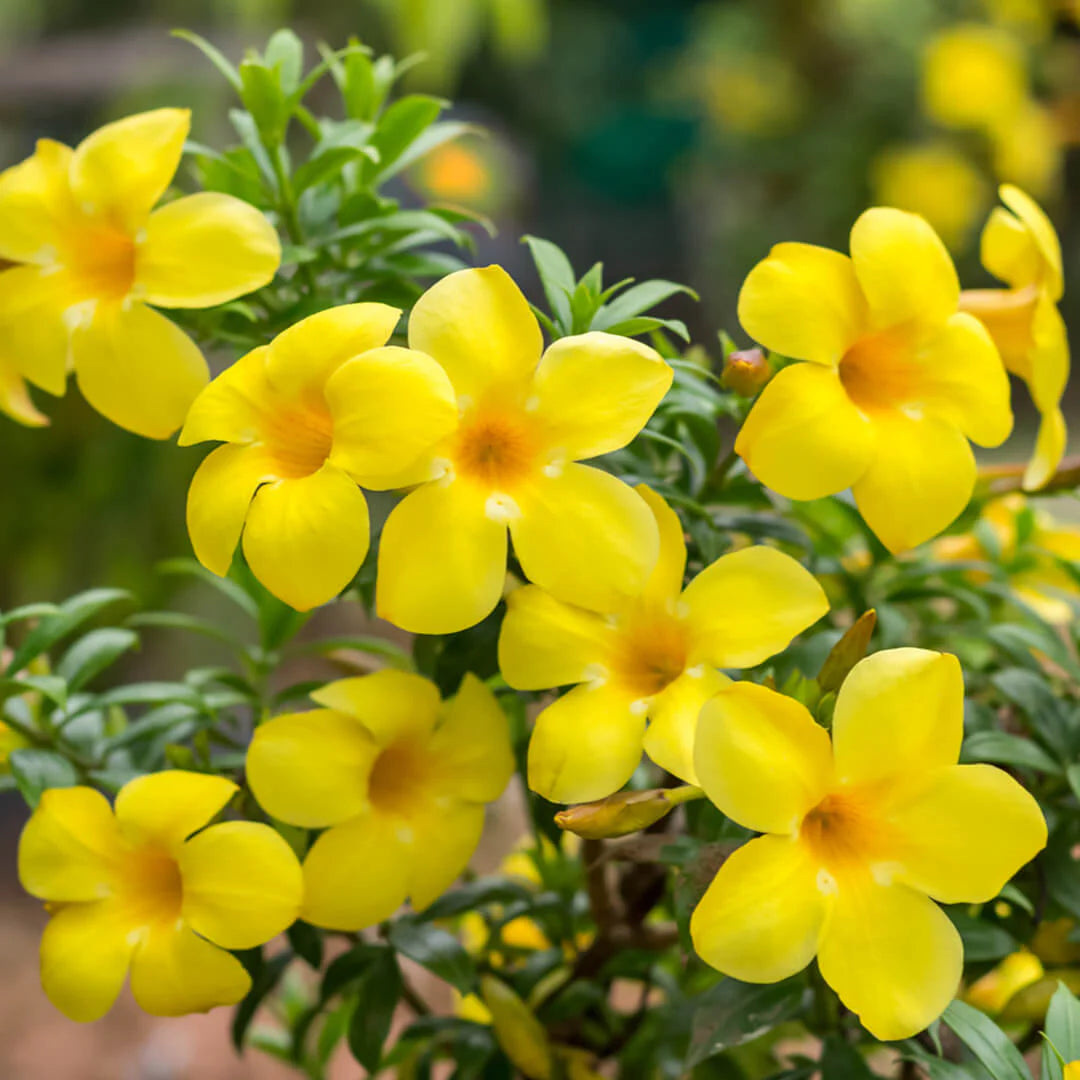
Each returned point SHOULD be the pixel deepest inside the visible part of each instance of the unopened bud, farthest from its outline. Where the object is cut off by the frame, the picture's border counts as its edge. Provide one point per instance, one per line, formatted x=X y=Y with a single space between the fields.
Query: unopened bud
x=517 y=1031
x=847 y=652
x=746 y=371
x=623 y=813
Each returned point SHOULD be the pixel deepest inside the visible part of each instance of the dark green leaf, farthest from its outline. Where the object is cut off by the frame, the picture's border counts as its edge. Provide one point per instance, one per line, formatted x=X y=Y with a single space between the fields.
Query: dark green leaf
x=477 y=894
x=841 y=1061
x=37 y=770
x=92 y=654
x=265 y=975
x=1062 y=1029
x=437 y=950
x=982 y=940
x=990 y=1045
x=396 y=129
x=307 y=943
x=70 y=615
x=345 y=969
x=1005 y=749
x=636 y=300
x=376 y=999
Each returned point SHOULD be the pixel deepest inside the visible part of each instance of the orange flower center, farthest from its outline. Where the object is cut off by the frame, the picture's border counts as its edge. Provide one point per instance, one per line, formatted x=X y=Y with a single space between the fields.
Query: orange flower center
x=495 y=449
x=877 y=372
x=299 y=438
x=651 y=654
x=100 y=260
x=840 y=831
x=400 y=778
x=151 y=886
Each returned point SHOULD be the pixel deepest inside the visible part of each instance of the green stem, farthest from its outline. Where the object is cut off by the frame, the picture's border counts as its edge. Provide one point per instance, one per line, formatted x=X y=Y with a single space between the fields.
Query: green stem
x=287 y=206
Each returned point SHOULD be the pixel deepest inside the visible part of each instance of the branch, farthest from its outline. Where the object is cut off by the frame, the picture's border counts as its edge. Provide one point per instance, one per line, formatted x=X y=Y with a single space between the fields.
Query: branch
x=1003 y=479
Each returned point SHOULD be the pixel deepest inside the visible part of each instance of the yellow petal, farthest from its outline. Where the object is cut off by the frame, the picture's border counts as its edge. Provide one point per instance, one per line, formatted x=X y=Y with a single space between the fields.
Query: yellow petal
x=898 y=712
x=305 y=538
x=122 y=169
x=356 y=874
x=204 y=250
x=442 y=560
x=761 y=917
x=965 y=832
x=595 y=392
x=1050 y=355
x=666 y=580
x=920 y=480
x=479 y=326
x=904 y=269
x=1049 y=450
x=804 y=437
x=444 y=843
x=138 y=369
x=85 y=955
x=36 y=206
x=586 y=537
x=35 y=339
x=748 y=605
x=761 y=758
x=389 y=406
x=174 y=972
x=69 y=847
x=15 y=400
x=892 y=955
x=390 y=704
x=586 y=745
x=544 y=643
x=1043 y=237
x=167 y=807
x=242 y=884
x=803 y=301
x=1008 y=250
x=231 y=407
x=311 y=768
x=673 y=720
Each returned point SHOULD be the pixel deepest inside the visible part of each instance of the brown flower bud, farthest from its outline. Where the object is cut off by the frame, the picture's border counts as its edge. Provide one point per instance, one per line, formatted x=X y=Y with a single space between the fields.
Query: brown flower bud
x=746 y=372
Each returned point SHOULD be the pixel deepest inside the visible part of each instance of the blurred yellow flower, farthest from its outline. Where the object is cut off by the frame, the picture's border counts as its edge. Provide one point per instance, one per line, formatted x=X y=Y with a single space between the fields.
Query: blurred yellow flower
x=135 y=889
x=997 y=987
x=10 y=740
x=95 y=255
x=398 y=780
x=752 y=94
x=325 y=407
x=1071 y=1071
x=1028 y=149
x=1020 y=246
x=652 y=659
x=526 y=420
x=895 y=382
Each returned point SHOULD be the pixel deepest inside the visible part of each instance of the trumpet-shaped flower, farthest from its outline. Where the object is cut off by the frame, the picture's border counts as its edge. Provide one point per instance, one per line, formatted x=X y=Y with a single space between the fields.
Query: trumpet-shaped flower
x=398 y=780
x=526 y=421
x=324 y=407
x=895 y=379
x=96 y=259
x=147 y=889
x=1020 y=246
x=861 y=837
x=652 y=660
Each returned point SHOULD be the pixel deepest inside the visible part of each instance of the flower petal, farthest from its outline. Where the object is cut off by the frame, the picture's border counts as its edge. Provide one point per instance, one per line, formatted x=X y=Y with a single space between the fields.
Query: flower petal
x=898 y=712
x=673 y=720
x=1008 y=250
x=122 y=169
x=138 y=369
x=1043 y=238
x=389 y=406
x=919 y=483
x=447 y=838
x=69 y=846
x=230 y=408
x=479 y=326
x=357 y=874
x=15 y=399
x=167 y=807
x=85 y=956
x=1050 y=355
x=585 y=536
x=1049 y=450
x=391 y=704
x=442 y=560
x=174 y=972
x=805 y=302
x=204 y=250
x=311 y=768
x=892 y=955
x=761 y=917
x=586 y=745
x=761 y=758
x=306 y=538
x=904 y=269
x=965 y=832
x=666 y=580
x=35 y=338
x=595 y=392
x=804 y=437
x=36 y=206
x=748 y=605
x=242 y=884
x=544 y=643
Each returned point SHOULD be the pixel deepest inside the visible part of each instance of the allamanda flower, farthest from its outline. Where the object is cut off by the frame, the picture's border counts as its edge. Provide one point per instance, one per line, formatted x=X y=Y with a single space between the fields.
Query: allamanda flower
x=511 y=463
x=896 y=380
x=398 y=780
x=324 y=407
x=861 y=837
x=150 y=890
x=1022 y=249
x=96 y=258
x=653 y=658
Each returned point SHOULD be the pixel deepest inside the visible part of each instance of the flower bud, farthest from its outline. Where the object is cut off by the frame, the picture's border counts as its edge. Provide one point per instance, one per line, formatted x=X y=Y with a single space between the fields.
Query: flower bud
x=519 y=1034
x=622 y=813
x=746 y=371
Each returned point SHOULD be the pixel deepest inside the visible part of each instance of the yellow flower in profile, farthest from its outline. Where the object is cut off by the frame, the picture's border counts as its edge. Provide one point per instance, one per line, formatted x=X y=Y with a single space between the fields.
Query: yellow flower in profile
x=96 y=258
x=895 y=382
x=997 y=987
x=1021 y=248
x=861 y=837
x=324 y=407
x=653 y=659
x=526 y=421
x=398 y=780
x=150 y=890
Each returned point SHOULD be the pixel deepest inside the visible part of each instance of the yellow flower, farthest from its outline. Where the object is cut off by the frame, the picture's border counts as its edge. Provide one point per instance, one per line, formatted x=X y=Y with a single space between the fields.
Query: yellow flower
x=652 y=658
x=525 y=422
x=325 y=407
x=896 y=381
x=398 y=780
x=998 y=986
x=10 y=740
x=94 y=255
x=752 y=94
x=1022 y=249
x=136 y=890
x=1028 y=149
x=861 y=837
x=1071 y=1071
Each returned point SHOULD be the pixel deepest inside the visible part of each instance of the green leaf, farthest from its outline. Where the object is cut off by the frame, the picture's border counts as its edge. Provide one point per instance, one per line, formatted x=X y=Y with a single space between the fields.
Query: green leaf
x=936 y=1068
x=50 y=686
x=262 y=95
x=638 y=299
x=982 y=940
x=1006 y=749
x=396 y=129
x=372 y=646
x=285 y=52
x=225 y=586
x=92 y=654
x=376 y=999
x=177 y=620
x=1062 y=1029
x=645 y=324
x=345 y=969
x=151 y=693
x=307 y=943
x=990 y=1045
x=265 y=975
x=437 y=950
x=556 y=277
x=841 y=1061
x=476 y=894
x=325 y=164
x=1031 y=691
x=232 y=76
x=35 y=771
x=434 y=136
